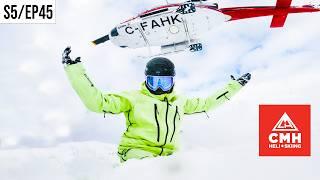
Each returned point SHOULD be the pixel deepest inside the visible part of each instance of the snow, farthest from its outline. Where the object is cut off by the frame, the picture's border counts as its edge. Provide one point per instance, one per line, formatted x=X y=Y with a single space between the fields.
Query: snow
x=98 y=161
x=68 y=161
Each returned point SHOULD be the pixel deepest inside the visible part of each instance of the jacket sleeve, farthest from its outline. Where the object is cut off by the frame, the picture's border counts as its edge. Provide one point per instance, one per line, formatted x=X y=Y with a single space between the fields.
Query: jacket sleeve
x=93 y=99
x=195 y=105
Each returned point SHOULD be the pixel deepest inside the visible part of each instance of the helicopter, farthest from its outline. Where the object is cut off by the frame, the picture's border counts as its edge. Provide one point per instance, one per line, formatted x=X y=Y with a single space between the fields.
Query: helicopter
x=179 y=26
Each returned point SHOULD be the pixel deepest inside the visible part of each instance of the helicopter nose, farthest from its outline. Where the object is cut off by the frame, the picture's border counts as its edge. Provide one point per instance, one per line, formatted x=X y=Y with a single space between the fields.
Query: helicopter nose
x=114 y=32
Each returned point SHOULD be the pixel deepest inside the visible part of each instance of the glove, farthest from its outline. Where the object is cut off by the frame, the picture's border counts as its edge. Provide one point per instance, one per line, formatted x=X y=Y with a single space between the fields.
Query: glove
x=66 y=58
x=243 y=80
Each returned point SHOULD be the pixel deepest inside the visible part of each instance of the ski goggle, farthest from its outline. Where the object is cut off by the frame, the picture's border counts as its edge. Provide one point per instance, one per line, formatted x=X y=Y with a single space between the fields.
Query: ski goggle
x=163 y=82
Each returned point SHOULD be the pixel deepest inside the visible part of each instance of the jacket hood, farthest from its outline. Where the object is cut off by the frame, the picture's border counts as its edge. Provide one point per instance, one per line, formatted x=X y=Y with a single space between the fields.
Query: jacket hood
x=169 y=96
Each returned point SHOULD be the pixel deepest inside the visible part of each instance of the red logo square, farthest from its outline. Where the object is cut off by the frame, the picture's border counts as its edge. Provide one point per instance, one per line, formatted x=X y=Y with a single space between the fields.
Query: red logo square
x=284 y=130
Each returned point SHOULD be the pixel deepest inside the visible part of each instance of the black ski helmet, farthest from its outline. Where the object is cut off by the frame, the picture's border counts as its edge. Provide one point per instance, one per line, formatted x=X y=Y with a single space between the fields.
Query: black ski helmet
x=160 y=66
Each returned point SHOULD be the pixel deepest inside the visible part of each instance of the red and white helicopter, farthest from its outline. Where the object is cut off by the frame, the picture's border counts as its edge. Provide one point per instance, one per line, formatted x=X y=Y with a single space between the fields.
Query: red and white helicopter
x=177 y=27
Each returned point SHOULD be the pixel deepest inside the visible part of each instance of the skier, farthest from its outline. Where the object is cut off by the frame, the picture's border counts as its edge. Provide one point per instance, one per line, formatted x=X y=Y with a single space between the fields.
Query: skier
x=153 y=113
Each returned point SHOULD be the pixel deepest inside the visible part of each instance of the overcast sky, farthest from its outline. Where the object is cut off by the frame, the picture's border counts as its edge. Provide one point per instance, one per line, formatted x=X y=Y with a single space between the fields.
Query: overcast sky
x=38 y=107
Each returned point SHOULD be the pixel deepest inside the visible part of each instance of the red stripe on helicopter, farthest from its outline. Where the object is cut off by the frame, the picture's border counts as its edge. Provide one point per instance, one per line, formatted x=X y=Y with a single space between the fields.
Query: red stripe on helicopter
x=279 y=12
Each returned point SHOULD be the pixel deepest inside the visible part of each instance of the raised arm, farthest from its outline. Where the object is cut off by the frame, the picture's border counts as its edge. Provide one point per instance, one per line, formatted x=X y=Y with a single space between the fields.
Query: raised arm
x=196 y=105
x=93 y=98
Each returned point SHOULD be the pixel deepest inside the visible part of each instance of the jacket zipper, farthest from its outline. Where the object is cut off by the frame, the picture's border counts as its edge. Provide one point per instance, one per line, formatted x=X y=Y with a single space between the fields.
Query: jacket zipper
x=130 y=123
x=174 y=123
x=86 y=76
x=167 y=127
x=223 y=94
x=156 y=118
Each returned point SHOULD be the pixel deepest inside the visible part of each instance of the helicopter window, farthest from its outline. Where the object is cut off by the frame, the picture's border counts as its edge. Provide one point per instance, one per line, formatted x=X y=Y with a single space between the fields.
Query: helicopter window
x=215 y=6
x=114 y=32
x=154 y=12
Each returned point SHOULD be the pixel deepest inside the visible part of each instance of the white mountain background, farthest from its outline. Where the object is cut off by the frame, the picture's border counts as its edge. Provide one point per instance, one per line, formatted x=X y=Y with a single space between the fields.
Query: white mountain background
x=46 y=132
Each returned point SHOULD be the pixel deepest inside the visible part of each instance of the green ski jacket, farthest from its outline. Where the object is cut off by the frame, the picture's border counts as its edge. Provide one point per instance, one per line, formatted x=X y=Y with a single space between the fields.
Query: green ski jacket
x=153 y=121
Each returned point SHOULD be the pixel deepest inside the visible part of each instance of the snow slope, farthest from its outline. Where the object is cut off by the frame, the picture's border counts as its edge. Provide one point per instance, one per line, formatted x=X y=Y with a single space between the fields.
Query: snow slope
x=98 y=161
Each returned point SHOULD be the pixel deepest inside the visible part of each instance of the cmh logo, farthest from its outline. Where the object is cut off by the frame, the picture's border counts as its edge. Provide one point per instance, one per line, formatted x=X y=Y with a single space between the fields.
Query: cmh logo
x=284 y=130
x=285 y=134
